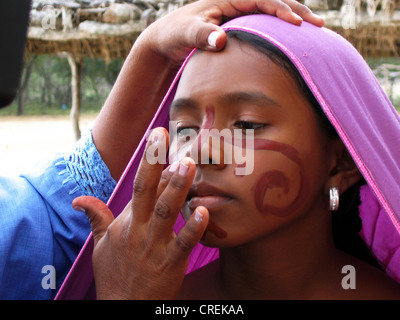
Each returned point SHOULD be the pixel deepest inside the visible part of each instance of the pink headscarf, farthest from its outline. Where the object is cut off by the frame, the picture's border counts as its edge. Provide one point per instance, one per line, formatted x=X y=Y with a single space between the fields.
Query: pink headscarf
x=355 y=104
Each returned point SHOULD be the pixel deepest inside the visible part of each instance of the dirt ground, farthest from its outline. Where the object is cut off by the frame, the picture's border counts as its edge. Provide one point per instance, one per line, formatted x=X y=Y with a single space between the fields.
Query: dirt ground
x=28 y=139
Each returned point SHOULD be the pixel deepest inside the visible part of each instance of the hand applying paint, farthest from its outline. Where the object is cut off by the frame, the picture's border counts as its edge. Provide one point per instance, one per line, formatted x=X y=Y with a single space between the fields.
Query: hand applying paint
x=137 y=255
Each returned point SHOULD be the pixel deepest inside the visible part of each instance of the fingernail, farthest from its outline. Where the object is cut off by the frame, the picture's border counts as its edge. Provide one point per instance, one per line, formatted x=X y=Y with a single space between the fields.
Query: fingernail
x=80 y=209
x=156 y=136
x=174 y=166
x=198 y=216
x=184 y=165
x=297 y=16
x=212 y=39
x=183 y=168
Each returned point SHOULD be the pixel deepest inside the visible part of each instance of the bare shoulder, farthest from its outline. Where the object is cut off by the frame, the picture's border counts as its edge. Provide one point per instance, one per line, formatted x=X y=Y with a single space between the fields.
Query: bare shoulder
x=365 y=282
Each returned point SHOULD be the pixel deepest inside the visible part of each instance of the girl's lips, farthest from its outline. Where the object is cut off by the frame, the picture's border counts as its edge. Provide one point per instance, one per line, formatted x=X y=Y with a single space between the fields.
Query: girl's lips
x=208 y=196
x=210 y=201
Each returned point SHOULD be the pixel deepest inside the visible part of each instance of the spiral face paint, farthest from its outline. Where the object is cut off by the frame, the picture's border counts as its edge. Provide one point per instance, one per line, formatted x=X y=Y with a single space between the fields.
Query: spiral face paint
x=276 y=179
x=278 y=183
x=268 y=180
x=273 y=179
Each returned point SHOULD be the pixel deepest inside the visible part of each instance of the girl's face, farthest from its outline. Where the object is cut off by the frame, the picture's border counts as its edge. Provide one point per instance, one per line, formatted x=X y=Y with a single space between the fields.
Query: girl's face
x=240 y=88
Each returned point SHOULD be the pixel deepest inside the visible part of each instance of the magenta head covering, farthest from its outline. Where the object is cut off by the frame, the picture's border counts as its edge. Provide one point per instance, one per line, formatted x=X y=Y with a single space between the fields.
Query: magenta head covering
x=354 y=103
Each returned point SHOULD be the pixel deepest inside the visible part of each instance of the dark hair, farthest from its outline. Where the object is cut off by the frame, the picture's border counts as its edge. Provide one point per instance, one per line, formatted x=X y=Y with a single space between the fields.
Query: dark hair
x=346 y=222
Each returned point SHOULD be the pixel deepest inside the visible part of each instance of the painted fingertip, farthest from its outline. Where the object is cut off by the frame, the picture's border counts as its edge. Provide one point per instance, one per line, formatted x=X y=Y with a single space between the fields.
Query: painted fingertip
x=184 y=165
x=212 y=39
x=198 y=216
x=156 y=136
x=183 y=168
x=174 y=166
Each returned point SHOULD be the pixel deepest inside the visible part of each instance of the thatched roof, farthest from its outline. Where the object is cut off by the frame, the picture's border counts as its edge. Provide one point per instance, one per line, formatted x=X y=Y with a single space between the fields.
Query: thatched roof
x=107 y=28
x=372 y=26
x=98 y=28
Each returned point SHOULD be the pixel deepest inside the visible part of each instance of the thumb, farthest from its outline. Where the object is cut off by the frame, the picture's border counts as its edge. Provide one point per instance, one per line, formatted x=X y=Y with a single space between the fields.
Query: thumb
x=206 y=36
x=99 y=215
x=201 y=33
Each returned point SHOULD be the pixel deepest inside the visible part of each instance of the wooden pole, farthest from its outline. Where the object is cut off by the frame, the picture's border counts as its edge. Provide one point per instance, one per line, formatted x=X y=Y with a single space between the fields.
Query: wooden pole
x=76 y=70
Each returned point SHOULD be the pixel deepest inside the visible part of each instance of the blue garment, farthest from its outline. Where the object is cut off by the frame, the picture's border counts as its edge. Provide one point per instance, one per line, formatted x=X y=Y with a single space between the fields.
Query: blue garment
x=39 y=229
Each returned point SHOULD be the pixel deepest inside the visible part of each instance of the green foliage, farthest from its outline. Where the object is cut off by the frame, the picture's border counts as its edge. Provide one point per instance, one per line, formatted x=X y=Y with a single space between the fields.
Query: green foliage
x=49 y=86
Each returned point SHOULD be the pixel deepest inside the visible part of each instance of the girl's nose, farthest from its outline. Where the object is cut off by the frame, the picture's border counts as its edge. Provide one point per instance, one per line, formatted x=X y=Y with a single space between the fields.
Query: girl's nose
x=210 y=149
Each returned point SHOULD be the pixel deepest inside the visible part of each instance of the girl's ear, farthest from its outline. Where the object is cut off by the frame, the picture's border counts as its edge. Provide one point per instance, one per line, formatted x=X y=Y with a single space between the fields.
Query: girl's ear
x=343 y=171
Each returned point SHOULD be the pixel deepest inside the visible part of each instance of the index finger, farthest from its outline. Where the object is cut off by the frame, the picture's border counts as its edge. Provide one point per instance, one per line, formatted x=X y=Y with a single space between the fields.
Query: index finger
x=148 y=175
x=289 y=10
x=305 y=12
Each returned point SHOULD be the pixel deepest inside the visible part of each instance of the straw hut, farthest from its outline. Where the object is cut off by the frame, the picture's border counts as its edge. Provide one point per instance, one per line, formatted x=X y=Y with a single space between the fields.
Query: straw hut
x=372 y=26
x=106 y=29
x=102 y=29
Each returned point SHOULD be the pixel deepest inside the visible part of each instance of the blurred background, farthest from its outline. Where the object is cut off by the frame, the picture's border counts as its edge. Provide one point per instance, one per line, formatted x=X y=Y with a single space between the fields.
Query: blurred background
x=75 y=49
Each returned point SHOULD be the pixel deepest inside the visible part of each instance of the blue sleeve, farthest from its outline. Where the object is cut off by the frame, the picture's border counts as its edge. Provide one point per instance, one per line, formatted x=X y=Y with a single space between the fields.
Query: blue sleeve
x=40 y=233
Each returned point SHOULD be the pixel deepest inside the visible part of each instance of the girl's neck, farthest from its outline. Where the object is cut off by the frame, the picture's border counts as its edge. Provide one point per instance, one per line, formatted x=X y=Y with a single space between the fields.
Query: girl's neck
x=293 y=263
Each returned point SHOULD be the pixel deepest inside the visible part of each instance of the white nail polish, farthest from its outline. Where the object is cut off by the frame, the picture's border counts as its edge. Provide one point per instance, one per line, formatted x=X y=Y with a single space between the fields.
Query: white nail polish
x=174 y=166
x=183 y=169
x=198 y=217
x=212 y=39
x=156 y=137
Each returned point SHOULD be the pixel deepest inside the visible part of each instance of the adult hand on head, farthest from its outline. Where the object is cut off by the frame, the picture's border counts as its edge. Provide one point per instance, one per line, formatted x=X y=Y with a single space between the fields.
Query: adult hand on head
x=152 y=65
x=197 y=24
x=137 y=255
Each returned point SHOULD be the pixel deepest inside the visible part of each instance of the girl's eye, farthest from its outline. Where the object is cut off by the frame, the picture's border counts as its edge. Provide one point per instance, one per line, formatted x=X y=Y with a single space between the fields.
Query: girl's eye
x=186 y=133
x=186 y=130
x=244 y=125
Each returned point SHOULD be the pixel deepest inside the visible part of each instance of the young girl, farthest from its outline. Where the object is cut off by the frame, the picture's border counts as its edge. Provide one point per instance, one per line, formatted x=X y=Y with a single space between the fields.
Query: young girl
x=41 y=234
x=322 y=128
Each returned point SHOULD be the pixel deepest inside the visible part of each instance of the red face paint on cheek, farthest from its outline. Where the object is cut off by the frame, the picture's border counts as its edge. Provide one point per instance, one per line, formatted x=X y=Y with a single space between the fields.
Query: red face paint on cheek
x=276 y=179
x=287 y=150
x=269 y=180
x=217 y=231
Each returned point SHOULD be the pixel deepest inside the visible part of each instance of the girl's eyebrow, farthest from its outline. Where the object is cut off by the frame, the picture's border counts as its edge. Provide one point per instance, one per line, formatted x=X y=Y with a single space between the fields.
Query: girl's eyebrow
x=183 y=104
x=230 y=98
x=253 y=97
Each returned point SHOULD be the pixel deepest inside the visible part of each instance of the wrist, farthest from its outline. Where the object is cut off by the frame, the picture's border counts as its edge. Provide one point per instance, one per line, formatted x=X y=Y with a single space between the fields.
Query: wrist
x=150 y=48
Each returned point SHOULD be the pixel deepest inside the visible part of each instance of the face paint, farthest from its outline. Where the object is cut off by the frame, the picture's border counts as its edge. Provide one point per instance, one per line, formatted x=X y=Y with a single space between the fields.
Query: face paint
x=200 y=139
x=276 y=179
x=210 y=118
x=269 y=180
x=217 y=231
x=287 y=150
